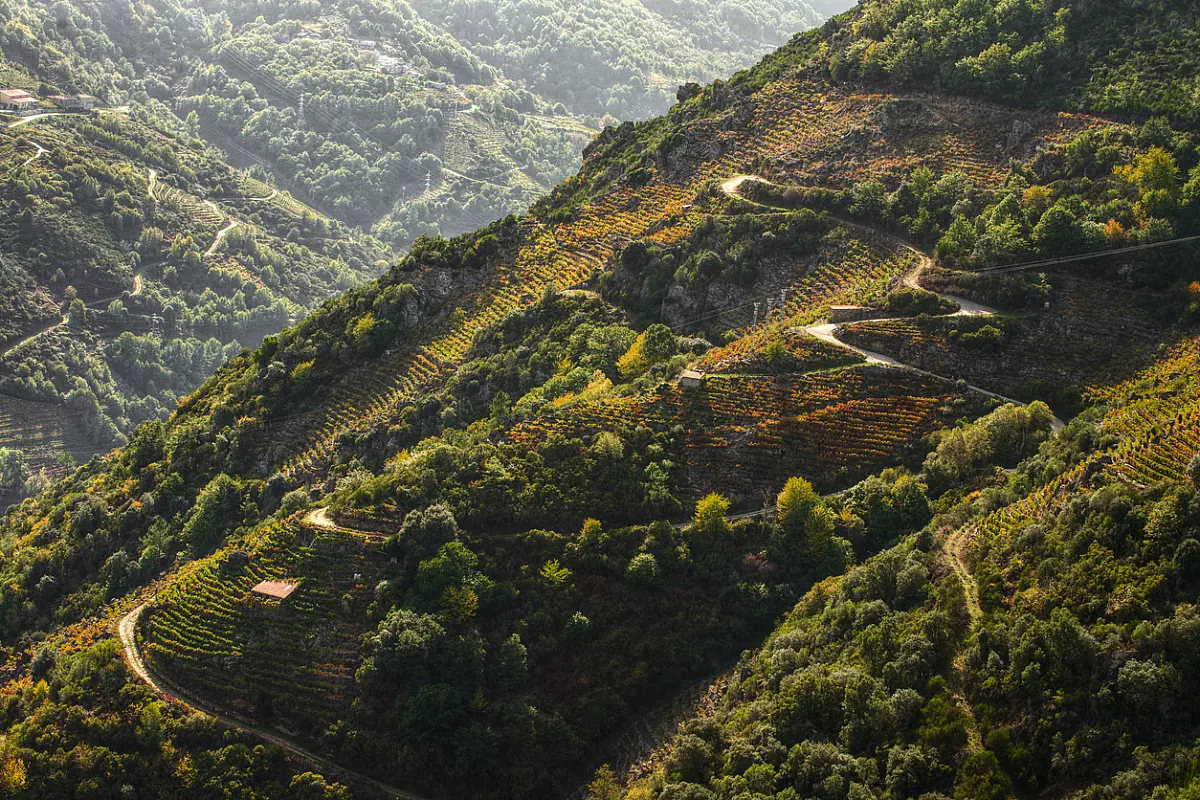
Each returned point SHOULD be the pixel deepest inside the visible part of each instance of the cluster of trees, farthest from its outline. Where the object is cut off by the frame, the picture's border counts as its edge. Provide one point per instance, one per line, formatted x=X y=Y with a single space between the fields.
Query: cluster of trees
x=848 y=700
x=1035 y=52
x=144 y=746
x=1101 y=189
x=1007 y=436
x=1111 y=638
x=14 y=471
x=721 y=258
x=477 y=633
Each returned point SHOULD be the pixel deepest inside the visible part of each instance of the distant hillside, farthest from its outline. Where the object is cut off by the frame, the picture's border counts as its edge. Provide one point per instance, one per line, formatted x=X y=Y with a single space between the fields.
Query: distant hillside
x=135 y=262
x=493 y=108
x=621 y=57
x=833 y=435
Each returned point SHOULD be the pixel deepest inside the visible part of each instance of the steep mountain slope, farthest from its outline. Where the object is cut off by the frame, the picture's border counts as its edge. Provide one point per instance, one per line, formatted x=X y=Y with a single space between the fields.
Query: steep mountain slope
x=1023 y=643
x=471 y=481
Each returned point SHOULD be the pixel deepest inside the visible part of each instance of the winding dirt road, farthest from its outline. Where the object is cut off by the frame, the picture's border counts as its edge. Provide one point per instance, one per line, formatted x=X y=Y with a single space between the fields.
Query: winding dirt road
x=233 y=223
x=827 y=332
x=152 y=185
x=41 y=151
x=320 y=518
x=956 y=546
x=955 y=550
x=127 y=631
x=35 y=117
x=52 y=114
x=8 y=348
x=138 y=284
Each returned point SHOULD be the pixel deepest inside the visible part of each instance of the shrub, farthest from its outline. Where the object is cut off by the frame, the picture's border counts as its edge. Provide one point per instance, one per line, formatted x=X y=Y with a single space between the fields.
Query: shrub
x=215 y=512
x=294 y=500
x=424 y=532
x=642 y=570
x=653 y=345
x=13 y=469
x=795 y=503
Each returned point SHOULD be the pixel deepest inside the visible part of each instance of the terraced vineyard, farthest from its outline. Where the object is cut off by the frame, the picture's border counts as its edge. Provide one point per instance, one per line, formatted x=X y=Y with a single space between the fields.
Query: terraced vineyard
x=746 y=432
x=851 y=272
x=799 y=353
x=471 y=143
x=813 y=134
x=550 y=259
x=1157 y=416
x=293 y=658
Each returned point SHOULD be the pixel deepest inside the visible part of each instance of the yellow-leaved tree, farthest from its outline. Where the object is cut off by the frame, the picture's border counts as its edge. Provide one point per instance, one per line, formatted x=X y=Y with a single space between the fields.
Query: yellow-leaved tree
x=652 y=346
x=711 y=512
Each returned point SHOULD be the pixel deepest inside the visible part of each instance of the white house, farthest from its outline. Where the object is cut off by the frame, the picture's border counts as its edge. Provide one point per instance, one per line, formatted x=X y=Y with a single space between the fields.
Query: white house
x=17 y=100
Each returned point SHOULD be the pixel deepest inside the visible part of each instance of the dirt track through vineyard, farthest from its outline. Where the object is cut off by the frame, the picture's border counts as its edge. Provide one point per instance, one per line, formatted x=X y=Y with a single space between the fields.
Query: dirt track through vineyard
x=956 y=545
x=127 y=630
x=827 y=332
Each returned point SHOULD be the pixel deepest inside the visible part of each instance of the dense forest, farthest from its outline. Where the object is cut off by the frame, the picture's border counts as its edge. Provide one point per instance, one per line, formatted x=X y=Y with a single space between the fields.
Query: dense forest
x=596 y=501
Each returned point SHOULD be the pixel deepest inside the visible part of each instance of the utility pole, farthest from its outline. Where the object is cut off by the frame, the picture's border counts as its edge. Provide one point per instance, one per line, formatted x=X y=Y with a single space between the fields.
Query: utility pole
x=428 y=181
x=300 y=117
x=756 y=307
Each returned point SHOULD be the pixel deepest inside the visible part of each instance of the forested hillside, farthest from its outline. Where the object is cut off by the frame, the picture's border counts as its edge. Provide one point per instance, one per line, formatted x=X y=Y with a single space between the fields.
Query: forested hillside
x=624 y=58
x=834 y=435
x=135 y=262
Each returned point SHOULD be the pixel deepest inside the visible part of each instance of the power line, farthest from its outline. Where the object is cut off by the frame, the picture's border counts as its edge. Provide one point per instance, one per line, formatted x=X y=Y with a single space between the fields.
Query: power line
x=1002 y=268
x=757 y=301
